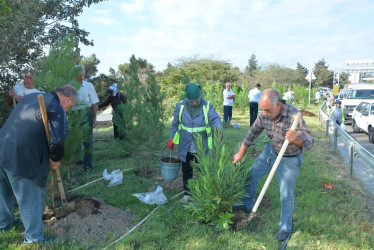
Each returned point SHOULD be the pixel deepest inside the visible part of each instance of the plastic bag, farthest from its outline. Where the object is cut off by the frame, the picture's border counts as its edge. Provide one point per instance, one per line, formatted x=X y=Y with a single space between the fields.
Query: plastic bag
x=235 y=125
x=115 y=177
x=156 y=197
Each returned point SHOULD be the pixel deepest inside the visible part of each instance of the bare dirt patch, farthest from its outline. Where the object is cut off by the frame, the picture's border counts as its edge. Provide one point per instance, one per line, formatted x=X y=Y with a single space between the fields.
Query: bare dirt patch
x=93 y=219
x=305 y=112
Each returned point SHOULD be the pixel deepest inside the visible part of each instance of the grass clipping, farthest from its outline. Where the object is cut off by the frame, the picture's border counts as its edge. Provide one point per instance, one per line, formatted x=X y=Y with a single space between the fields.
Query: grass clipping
x=218 y=183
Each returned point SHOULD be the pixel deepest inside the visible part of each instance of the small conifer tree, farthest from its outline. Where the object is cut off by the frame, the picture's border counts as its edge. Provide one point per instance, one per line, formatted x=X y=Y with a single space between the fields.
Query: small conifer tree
x=58 y=69
x=140 y=120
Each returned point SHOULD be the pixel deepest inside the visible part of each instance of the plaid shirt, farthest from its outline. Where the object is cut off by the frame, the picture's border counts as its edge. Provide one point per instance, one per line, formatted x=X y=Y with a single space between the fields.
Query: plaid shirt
x=276 y=130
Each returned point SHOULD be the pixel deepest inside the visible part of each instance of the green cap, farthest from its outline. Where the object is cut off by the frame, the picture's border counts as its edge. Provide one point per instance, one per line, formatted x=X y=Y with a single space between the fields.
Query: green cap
x=193 y=91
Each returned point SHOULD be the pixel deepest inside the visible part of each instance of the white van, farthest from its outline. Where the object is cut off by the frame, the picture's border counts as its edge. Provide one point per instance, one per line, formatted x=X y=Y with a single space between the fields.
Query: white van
x=356 y=94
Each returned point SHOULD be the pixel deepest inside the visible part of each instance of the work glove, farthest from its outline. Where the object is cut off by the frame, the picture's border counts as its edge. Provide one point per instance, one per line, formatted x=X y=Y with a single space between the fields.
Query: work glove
x=171 y=144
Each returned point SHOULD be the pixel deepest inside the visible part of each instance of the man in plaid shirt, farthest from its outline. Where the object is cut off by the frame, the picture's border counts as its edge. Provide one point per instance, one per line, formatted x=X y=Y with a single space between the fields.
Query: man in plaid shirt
x=276 y=119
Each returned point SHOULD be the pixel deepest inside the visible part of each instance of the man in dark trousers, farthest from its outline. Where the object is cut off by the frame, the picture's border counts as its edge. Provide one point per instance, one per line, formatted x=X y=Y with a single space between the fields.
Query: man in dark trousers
x=115 y=98
x=25 y=156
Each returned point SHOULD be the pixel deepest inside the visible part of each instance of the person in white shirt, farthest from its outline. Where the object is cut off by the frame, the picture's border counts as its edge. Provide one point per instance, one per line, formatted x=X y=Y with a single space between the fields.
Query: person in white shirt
x=254 y=96
x=86 y=105
x=22 y=88
x=228 y=100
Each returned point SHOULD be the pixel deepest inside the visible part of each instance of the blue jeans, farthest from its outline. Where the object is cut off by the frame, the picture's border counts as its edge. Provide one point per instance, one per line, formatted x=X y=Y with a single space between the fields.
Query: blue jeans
x=287 y=172
x=30 y=198
x=227 y=113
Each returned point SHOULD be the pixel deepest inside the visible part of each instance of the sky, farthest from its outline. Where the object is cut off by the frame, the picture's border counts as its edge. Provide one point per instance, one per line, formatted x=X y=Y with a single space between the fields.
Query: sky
x=283 y=32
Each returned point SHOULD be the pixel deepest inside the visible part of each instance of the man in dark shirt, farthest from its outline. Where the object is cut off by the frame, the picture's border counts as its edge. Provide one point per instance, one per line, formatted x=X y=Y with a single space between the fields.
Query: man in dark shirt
x=24 y=158
x=276 y=119
x=115 y=98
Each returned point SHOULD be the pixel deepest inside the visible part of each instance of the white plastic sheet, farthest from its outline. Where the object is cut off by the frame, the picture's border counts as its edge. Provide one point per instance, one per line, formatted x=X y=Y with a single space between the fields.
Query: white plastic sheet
x=115 y=177
x=156 y=197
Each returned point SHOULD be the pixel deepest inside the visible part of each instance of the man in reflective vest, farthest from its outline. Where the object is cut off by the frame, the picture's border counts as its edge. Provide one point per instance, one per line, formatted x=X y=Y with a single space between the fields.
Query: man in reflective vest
x=191 y=116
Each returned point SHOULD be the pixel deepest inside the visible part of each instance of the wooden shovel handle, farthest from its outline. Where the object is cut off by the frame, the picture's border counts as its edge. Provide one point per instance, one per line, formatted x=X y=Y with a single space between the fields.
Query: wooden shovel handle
x=46 y=127
x=275 y=166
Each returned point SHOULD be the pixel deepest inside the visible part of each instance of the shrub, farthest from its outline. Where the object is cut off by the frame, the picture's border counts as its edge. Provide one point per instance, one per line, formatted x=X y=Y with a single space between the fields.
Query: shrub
x=218 y=183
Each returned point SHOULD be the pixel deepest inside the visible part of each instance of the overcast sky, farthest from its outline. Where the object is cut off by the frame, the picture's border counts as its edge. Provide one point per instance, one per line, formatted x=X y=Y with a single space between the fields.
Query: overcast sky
x=279 y=31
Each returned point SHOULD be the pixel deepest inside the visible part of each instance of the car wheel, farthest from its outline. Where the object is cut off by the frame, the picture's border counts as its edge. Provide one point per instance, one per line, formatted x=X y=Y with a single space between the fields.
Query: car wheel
x=371 y=135
x=354 y=127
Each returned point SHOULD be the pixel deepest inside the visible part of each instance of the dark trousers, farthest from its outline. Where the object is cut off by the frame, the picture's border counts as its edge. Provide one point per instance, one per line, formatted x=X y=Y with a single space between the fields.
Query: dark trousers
x=187 y=170
x=87 y=144
x=253 y=111
x=227 y=113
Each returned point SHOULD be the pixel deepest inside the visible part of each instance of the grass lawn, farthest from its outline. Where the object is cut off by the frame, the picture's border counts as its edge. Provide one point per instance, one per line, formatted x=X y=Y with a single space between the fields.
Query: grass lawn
x=335 y=219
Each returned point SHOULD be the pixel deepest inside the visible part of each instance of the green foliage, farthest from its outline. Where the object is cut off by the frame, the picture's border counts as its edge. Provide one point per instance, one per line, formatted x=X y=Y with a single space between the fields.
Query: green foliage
x=241 y=98
x=213 y=92
x=323 y=75
x=218 y=183
x=90 y=65
x=252 y=67
x=58 y=67
x=140 y=120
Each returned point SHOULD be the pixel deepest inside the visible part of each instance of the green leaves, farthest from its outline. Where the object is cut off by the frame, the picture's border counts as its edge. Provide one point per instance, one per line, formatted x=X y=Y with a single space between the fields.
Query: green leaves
x=218 y=183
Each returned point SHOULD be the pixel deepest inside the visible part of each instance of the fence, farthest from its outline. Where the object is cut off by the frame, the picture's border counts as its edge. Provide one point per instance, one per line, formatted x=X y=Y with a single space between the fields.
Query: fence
x=360 y=160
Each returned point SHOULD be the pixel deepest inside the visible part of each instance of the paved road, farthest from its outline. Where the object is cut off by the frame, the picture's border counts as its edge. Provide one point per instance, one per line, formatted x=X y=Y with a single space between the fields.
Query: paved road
x=361 y=138
x=361 y=169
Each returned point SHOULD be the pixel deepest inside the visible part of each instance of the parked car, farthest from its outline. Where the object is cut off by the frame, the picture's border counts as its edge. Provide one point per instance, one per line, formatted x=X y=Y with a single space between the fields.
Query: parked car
x=356 y=93
x=363 y=119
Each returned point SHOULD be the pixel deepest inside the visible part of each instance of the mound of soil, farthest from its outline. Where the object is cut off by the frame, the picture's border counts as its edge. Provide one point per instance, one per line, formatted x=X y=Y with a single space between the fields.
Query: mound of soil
x=307 y=113
x=92 y=220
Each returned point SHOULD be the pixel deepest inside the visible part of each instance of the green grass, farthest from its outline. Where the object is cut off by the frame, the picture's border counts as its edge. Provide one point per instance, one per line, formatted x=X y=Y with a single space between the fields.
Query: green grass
x=335 y=219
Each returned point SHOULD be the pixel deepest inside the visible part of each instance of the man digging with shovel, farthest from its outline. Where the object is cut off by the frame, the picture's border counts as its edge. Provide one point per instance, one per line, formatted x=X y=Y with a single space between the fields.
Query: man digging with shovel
x=276 y=119
x=25 y=156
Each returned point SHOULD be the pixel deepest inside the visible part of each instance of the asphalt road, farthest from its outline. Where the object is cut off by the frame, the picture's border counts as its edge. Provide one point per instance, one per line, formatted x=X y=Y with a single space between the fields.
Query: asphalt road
x=361 y=138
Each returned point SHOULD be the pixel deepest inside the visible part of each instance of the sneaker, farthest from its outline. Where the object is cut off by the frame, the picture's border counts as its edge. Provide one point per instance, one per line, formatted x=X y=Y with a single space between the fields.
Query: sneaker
x=185 y=199
x=45 y=240
x=240 y=208
x=281 y=235
x=15 y=222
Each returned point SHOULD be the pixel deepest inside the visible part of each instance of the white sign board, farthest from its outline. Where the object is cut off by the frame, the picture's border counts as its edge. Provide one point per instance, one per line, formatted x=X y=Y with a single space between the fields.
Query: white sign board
x=310 y=76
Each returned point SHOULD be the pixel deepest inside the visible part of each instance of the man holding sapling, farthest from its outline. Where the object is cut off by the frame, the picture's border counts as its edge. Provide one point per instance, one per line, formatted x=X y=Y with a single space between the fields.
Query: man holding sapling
x=191 y=116
x=25 y=156
x=276 y=119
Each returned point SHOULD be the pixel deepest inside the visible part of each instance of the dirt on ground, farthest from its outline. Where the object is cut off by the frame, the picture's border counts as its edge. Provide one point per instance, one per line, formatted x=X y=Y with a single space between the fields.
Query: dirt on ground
x=92 y=220
x=305 y=112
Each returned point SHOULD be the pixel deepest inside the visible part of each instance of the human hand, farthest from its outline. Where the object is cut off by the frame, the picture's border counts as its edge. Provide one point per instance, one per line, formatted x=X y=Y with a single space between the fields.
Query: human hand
x=18 y=98
x=237 y=158
x=171 y=144
x=94 y=123
x=54 y=164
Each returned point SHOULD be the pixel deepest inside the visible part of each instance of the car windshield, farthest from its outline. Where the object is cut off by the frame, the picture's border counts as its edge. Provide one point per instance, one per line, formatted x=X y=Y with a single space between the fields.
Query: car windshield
x=361 y=94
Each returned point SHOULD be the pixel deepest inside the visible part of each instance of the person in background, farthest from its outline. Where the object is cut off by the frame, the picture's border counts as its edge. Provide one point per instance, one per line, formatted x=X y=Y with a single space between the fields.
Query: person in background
x=25 y=156
x=86 y=106
x=254 y=96
x=22 y=88
x=276 y=119
x=317 y=96
x=337 y=113
x=228 y=100
x=191 y=116
x=115 y=98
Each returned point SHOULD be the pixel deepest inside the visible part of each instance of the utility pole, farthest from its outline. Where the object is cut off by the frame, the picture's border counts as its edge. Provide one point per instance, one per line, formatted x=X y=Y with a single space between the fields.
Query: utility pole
x=310 y=77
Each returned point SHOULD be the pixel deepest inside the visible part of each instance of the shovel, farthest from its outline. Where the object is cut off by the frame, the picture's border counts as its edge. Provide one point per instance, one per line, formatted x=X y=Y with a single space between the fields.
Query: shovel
x=242 y=224
x=45 y=122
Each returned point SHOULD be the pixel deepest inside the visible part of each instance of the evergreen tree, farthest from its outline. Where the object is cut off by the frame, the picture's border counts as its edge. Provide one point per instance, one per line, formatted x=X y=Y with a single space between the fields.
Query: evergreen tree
x=57 y=70
x=302 y=69
x=324 y=77
x=140 y=120
x=252 y=66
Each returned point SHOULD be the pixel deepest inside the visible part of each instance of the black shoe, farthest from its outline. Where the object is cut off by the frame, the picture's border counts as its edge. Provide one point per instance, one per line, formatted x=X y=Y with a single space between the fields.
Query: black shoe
x=10 y=226
x=281 y=235
x=240 y=208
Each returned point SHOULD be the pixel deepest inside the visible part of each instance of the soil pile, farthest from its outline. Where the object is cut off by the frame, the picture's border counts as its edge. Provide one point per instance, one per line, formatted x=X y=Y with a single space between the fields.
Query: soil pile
x=92 y=220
